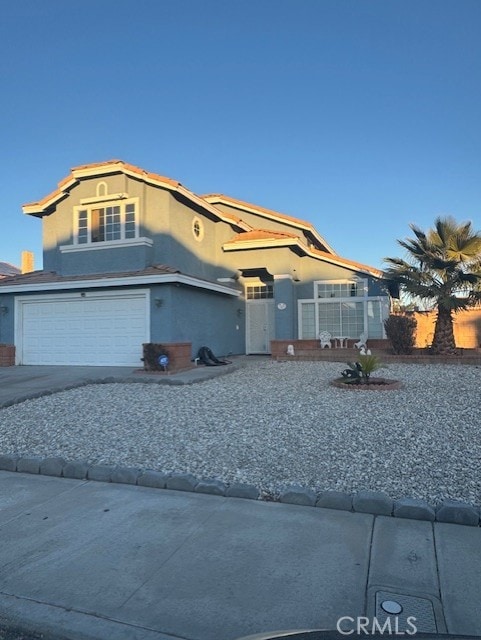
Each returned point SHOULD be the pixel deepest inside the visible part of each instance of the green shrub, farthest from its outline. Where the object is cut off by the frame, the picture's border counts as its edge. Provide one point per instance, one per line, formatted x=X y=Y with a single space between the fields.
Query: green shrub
x=401 y=332
x=360 y=371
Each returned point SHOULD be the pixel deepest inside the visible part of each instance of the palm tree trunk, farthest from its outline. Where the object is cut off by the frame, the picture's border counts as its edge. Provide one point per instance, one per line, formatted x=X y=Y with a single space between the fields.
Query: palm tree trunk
x=443 y=342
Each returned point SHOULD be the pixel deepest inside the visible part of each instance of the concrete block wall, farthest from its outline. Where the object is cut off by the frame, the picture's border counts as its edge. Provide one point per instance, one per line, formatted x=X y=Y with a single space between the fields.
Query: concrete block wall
x=467 y=328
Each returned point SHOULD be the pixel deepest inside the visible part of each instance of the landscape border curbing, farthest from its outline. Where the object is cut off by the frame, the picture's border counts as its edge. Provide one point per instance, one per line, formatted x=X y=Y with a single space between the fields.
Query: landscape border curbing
x=364 y=501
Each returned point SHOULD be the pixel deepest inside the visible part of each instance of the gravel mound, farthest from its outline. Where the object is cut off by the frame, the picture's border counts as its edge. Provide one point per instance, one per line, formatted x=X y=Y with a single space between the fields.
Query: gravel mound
x=273 y=424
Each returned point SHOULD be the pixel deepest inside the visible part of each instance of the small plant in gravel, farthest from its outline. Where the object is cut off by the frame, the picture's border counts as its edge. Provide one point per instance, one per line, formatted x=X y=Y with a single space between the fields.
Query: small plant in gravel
x=360 y=372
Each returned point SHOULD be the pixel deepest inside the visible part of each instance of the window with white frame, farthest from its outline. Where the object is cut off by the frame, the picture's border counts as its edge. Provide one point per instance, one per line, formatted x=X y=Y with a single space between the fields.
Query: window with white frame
x=110 y=221
x=259 y=291
x=343 y=308
x=340 y=288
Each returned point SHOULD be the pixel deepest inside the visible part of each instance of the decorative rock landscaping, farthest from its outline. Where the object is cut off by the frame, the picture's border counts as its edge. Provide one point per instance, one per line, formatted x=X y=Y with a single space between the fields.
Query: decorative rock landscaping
x=289 y=437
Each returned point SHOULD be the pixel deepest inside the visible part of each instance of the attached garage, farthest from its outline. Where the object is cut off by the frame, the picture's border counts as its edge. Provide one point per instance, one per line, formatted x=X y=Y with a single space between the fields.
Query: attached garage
x=82 y=328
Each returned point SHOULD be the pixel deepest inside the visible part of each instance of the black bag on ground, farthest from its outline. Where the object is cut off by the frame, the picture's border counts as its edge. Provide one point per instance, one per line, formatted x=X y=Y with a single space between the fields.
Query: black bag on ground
x=206 y=356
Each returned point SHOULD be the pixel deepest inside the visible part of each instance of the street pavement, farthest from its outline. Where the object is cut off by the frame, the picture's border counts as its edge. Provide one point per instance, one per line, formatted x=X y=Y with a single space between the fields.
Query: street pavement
x=100 y=560
x=88 y=560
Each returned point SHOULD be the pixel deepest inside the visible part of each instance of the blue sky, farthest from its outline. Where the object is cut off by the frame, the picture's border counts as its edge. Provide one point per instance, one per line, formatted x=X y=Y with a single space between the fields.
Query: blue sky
x=361 y=116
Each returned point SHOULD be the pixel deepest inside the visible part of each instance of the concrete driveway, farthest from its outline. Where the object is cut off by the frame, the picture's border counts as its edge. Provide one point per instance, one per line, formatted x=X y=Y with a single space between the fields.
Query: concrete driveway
x=25 y=382
x=18 y=383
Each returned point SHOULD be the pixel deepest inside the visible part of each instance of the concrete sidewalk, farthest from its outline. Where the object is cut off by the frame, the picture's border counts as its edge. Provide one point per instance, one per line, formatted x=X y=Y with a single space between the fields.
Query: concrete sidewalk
x=93 y=560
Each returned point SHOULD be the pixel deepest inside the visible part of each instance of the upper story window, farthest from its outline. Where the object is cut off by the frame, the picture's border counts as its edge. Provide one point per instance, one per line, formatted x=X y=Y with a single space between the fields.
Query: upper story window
x=107 y=222
x=259 y=291
x=340 y=288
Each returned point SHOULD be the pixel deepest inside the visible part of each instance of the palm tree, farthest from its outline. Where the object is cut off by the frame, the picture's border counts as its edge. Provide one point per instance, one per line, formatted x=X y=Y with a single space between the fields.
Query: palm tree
x=443 y=267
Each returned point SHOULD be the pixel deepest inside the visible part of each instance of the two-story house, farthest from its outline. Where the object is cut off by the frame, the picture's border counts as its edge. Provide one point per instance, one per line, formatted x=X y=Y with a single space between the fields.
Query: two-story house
x=131 y=257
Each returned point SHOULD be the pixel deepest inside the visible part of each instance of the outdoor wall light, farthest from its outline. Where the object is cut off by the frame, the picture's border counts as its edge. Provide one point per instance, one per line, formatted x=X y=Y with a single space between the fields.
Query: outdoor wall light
x=158 y=302
x=3 y=310
x=239 y=312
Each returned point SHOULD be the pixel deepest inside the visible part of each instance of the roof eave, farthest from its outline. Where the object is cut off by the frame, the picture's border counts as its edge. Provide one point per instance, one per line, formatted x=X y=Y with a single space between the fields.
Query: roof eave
x=47 y=204
x=298 y=247
x=66 y=285
x=273 y=215
x=262 y=243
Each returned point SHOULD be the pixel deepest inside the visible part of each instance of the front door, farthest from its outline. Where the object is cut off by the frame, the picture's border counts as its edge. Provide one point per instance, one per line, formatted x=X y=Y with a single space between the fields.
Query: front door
x=260 y=325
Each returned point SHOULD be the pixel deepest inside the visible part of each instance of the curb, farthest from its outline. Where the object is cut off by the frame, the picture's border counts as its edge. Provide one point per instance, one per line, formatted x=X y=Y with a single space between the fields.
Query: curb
x=364 y=501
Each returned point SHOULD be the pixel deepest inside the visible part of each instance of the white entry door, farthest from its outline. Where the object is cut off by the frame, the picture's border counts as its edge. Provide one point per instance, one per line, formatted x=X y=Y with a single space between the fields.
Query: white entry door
x=260 y=325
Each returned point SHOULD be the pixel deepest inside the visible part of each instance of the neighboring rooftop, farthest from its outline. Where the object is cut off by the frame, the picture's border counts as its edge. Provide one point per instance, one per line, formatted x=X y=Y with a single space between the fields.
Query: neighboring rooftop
x=7 y=269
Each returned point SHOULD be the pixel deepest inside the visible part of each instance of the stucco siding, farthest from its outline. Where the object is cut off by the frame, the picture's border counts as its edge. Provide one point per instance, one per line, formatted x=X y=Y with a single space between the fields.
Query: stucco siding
x=7 y=319
x=107 y=260
x=199 y=317
x=59 y=228
x=182 y=249
x=285 y=308
x=276 y=260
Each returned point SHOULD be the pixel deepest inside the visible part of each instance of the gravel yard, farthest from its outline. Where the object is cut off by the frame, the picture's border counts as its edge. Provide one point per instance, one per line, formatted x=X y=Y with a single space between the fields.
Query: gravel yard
x=273 y=424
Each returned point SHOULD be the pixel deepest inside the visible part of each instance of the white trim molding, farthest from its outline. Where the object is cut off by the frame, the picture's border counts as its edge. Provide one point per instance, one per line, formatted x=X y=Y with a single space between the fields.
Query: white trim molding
x=104 y=198
x=167 y=278
x=106 y=244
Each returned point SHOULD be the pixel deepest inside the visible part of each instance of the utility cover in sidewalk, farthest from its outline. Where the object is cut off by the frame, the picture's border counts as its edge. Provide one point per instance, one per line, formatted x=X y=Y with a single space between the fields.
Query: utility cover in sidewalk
x=420 y=612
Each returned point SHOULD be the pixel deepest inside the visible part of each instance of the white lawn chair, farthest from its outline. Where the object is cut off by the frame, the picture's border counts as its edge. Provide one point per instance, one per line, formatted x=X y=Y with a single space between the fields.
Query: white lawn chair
x=362 y=343
x=325 y=339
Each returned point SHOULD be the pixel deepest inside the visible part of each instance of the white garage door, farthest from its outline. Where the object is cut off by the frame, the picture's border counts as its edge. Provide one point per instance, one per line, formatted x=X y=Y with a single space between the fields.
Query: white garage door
x=95 y=329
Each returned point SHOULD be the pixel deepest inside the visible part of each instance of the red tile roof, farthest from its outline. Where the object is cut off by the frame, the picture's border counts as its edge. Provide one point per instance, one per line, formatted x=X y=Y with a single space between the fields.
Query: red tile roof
x=119 y=166
x=125 y=166
x=345 y=261
x=219 y=198
x=45 y=277
x=264 y=234
x=112 y=164
x=261 y=234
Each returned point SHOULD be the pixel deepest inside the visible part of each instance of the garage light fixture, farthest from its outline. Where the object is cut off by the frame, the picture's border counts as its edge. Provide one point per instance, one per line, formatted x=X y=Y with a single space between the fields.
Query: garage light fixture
x=3 y=310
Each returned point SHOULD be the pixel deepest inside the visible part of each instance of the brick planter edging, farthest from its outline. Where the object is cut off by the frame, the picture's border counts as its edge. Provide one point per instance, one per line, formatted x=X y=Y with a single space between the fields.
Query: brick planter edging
x=375 y=384
x=364 y=501
x=7 y=355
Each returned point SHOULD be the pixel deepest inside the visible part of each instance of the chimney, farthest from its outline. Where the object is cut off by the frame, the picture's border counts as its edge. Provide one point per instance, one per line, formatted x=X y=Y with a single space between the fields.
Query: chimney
x=27 y=262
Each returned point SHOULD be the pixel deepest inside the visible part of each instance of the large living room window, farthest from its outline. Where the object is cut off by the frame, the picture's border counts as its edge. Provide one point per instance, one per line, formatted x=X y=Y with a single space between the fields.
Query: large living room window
x=106 y=223
x=343 y=308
